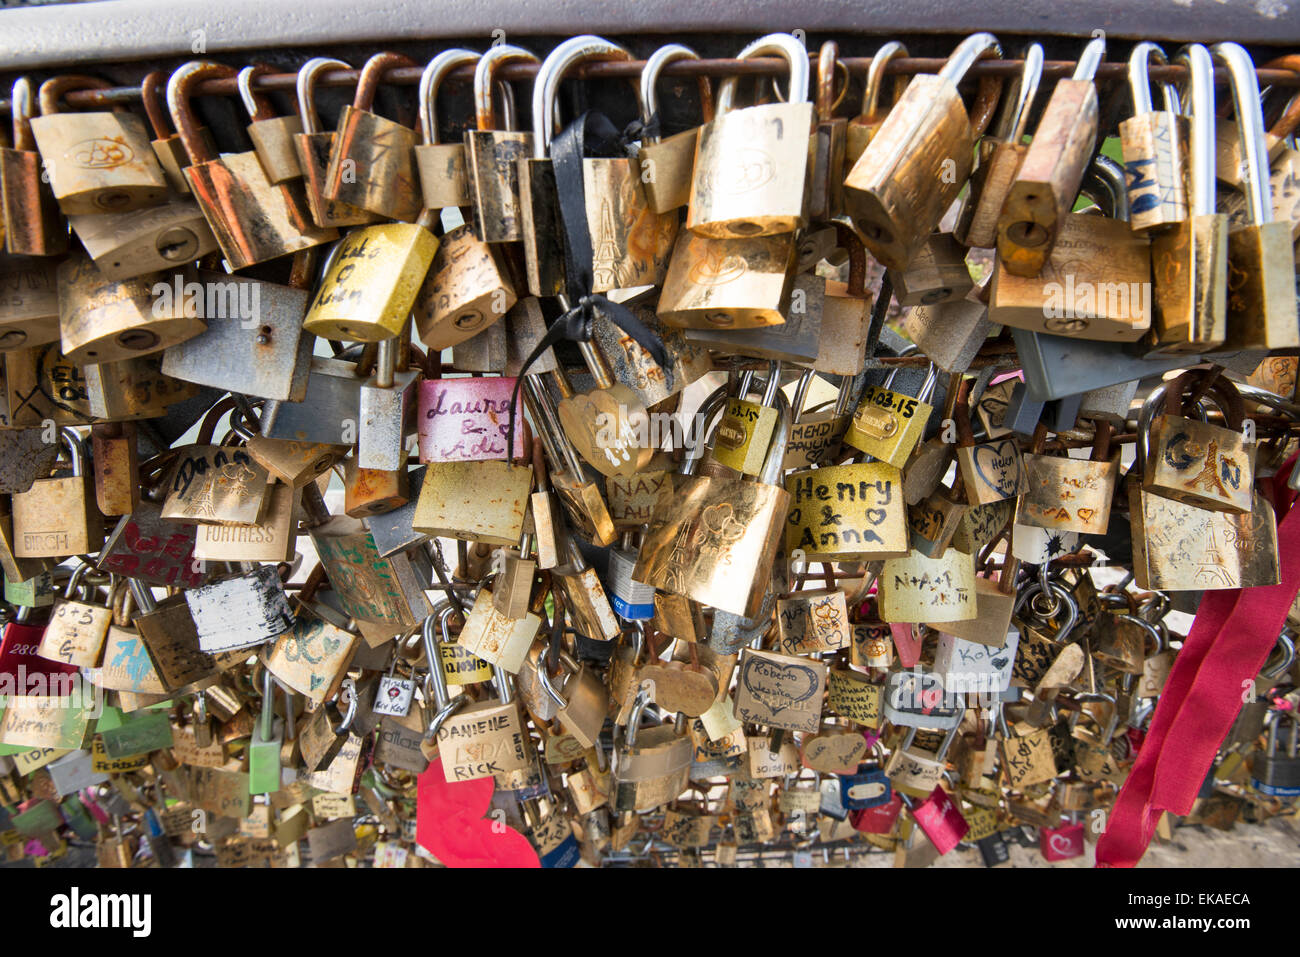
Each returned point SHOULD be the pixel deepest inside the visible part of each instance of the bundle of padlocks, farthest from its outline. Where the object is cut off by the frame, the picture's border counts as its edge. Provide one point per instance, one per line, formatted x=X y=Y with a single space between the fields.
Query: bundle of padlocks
x=795 y=481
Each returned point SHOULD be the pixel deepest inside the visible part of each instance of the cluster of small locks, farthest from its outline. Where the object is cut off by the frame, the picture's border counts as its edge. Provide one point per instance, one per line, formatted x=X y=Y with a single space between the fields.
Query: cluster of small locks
x=706 y=549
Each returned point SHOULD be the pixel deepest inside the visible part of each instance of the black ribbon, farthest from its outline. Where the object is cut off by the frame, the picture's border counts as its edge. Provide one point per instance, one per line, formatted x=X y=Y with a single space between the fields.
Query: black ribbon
x=591 y=134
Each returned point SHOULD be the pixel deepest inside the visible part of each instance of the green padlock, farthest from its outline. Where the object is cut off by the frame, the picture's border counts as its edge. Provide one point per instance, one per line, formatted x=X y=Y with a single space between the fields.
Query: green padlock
x=264 y=748
x=137 y=733
x=34 y=592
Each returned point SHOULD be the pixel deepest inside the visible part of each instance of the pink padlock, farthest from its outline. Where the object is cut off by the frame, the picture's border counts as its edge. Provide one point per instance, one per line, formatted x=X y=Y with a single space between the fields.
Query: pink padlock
x=467 y=420
x=906 y=643
x=941 y=820
x=1061 y=843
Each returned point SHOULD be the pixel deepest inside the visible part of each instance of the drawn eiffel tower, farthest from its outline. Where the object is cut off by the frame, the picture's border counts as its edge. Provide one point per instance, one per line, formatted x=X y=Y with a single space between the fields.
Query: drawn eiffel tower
x=604 y=260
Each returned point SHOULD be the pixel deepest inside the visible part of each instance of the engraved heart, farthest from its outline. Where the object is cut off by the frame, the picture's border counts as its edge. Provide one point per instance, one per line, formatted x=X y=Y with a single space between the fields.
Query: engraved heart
x=834 y=753
x=998 y=466
x=1086 y=514
x=331 y=645
x=778 y=686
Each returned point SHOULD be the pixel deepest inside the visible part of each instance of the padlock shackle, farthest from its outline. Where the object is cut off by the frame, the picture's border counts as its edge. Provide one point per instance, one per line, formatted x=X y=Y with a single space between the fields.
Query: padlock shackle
x=546 y=86
x=55 y=87
x=1090 y=59
x=1139 y=75
x=1244 y=85
x=178 y=102
x=305 y=86
x=373 y=73
x=1103 y=183
x=495 y=56
x=1230 y=401
x=654 y=65
x=828 y=60
x=1201 y=145
x=153 y=93
x=432 y=77
x=257 y=105
x=876 y=76
x=1013 y=126
x=709 y=415
x=974 y=47
x=21 y=105
x=788 y=48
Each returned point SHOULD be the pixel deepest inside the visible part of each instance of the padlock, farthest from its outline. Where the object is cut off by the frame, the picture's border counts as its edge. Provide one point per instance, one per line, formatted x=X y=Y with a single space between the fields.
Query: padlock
x=387 y=409
x=370 y=281
x=871 y=116
x=919 y=158
x=29 y=303
x=380 y=150
x=933 y=522
x=916 y=772
x=272 y=136
x=1044 y=188
x=441 y=166
x=374 y=491
x=745 y=431
x=888 y=425
x=314 y=146
x=1063 y=493
x=633 y=366
x=260 y=350
x=253 y=219
x=264 y=748
x=719 y=536
x=1261 y=301
x=609 y=426
x=103 y=320
x=114 y=456
x=167 y=145
x=1207 y=466
x=651 y=765
x=584 y=595
x=98 y=162
x=258 y=591
x=816 y=437
x=1152 y=142
x=492 y=156
x=270 y=539
x=798 y=339
x=992 y=470
x=936 y=273
x=322 y=417
x=1095 y=281
x=728 y=283
x=852 y=512
x=930 y=590
x=58 y=516
x=950 y=333
x=1000 y=156
x=486 y=739
x=77 y=628
x=751 y=168
x=580 y=698
x=216 y=484
x=826 y=168
x=32 y=222
x=467 y=290
x=668 y=165
x=578 y=495
x=629 y=243
x=1276 y=771
x=1189 y=261
x=126 y=245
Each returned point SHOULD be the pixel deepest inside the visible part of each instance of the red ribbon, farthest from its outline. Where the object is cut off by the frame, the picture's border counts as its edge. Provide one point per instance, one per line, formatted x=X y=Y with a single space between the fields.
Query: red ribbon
x=1234 y=632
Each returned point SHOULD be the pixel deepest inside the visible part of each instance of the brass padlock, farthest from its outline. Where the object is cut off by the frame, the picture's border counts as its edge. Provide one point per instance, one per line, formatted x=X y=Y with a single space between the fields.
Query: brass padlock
x=217 y=484
x=492 y=155
x=920 y=158
x=1000 y=156
x=441 y=166
x=609 y=426
x=1208 y=466
x=272 y=136
x=826 y=175
x=937 y=273
x=103 y=320
x=57 y=517
x=314 y=147
x=97 y=162
x=751 y=168
x=1152 y=142
x=850 y=513
x=117 y=467
x=253 y=219
x=30 y=220
x=1047 y=182
x=372 y=163
x=270 y=539
x=728 y=283
x=1261 y=302
x=889 y=425
x=468 y=288
x=1095 y=282
x=126 y=245
x=668 y=165
x=991 y=470
x=1069 y=494
x=370 y=282
x=29 y=303
x=871 y=116
x=167 y=145
x=1189 y=261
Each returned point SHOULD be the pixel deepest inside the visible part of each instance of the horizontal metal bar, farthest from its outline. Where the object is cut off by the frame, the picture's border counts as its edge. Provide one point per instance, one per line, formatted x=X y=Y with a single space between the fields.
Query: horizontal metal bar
x=127 y=30
x=630 y=69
